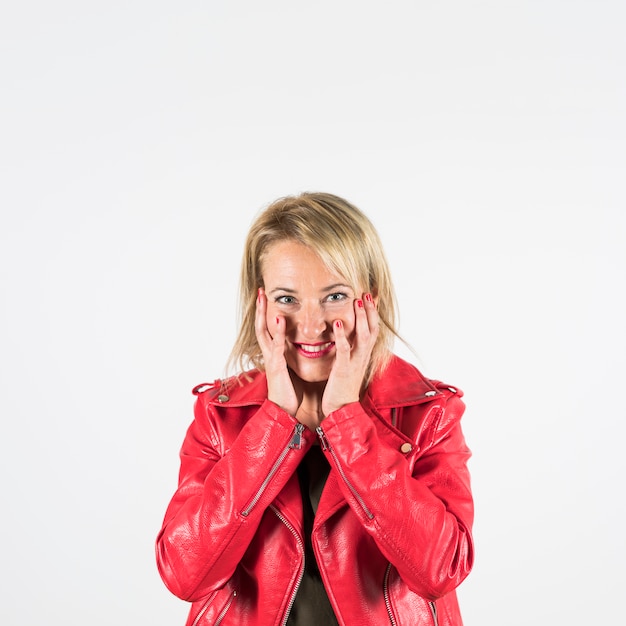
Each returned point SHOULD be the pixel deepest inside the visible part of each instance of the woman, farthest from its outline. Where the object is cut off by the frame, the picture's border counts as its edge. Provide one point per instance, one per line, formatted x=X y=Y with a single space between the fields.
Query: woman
x=328 y=484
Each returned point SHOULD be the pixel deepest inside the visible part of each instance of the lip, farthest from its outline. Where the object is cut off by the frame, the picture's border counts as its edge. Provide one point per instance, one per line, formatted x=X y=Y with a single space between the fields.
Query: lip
x=314 y=350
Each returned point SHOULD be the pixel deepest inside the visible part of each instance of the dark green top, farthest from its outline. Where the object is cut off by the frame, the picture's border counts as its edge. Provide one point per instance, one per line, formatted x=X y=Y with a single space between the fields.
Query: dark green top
x=311 y=606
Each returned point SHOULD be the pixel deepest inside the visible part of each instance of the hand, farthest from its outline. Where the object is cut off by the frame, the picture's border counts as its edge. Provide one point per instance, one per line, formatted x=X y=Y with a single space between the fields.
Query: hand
x=351 y=361
x=280 y=389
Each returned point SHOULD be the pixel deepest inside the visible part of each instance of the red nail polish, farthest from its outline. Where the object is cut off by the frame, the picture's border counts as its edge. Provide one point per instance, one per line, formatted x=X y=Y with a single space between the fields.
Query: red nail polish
x=368 y=297
x=338 y=324
x=277 y=321
x=359 y=303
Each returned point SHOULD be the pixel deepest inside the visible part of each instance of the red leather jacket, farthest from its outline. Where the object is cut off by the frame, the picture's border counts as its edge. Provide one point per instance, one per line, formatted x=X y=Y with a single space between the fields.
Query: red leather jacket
x=392 y=532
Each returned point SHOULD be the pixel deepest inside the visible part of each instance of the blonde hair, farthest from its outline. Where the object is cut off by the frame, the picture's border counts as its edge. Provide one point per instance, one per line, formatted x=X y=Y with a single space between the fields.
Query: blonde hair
x=347 y=243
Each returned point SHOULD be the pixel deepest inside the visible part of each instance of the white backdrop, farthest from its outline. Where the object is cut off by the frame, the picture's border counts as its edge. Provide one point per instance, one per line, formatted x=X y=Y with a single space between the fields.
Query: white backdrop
x=138 y=140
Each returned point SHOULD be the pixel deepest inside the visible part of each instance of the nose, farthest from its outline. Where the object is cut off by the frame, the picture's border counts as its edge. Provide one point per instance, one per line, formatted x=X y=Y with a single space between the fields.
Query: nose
x=311 y=321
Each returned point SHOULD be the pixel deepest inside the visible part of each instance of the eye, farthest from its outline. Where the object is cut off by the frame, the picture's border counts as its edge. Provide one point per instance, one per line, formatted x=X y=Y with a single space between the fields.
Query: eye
x=336 y=297
x=285 y=300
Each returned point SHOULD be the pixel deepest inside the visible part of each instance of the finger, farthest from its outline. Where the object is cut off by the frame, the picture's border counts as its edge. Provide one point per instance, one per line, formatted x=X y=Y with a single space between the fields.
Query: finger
x=373 y=319
x=342 y=345
x=278 y=332
x=275 y=355
x=260 y=324
x=360 y=313
x=259 y=316
x=366 y=327
x=361 y=323
x=344 y=382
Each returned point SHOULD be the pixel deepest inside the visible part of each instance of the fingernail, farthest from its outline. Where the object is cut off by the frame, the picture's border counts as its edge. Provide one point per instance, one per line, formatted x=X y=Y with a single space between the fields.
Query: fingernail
x=359 y=303
x=368 y=297
x=277 y=321
x=338 y=324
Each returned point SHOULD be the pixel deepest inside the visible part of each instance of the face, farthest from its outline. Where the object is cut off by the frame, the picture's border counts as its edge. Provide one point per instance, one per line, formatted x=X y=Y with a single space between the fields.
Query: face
x=300 y=288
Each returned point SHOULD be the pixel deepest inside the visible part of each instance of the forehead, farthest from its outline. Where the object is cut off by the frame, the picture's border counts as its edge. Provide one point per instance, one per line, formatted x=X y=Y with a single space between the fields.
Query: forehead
x=293 y=261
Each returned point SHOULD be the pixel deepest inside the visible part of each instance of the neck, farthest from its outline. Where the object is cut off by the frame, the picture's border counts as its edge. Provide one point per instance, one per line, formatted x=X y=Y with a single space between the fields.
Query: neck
x=310 y=394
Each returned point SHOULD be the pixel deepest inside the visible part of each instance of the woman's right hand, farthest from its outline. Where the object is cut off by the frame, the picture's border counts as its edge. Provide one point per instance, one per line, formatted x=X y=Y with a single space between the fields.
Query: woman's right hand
x=280 y=389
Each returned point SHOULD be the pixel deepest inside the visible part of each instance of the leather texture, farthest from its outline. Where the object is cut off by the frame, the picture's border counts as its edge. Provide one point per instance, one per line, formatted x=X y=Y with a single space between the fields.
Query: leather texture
x=392 y=533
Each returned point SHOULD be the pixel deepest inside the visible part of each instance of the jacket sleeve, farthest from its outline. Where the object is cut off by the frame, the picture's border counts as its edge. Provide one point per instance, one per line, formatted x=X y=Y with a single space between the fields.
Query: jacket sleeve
x=222 y=495
x=417 y=506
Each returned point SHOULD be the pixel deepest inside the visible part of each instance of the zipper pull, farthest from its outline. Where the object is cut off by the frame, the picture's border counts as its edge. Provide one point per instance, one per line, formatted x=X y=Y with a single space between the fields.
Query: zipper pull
x=296 y=440
x=322 y=436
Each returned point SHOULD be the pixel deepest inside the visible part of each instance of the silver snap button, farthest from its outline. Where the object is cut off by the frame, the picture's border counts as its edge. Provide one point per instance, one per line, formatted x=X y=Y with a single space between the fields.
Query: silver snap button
x=429 y=394
x=223 y=398
x=406 y=447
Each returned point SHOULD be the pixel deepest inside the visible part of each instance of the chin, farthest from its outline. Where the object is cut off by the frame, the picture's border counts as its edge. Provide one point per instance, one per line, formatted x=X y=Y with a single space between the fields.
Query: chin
x=310 y=373
x=311 y=377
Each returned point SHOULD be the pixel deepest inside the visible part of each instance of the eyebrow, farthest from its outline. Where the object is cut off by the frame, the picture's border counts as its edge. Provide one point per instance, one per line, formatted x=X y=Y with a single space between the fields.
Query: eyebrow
x=328 y=289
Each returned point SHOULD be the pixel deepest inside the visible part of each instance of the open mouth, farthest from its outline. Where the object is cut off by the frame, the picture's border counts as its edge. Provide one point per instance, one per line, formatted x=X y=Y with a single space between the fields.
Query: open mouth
x=314 y=351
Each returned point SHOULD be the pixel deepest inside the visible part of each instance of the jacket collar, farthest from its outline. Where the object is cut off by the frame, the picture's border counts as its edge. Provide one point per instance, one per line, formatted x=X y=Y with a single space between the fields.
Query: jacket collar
x=400 y=384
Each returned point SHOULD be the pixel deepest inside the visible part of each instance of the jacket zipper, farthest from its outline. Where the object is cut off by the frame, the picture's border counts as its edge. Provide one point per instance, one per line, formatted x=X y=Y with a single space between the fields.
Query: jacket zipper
x=294 y=443
x=293 y=531
x=326 y=446
x=220 y=617
x=392 y=621
x=223 y=612
x=433 y=610
x=204 y=608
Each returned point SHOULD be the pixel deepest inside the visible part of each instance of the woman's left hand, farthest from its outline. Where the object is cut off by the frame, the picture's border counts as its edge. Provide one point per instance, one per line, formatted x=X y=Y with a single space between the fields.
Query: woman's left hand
x=351 y=360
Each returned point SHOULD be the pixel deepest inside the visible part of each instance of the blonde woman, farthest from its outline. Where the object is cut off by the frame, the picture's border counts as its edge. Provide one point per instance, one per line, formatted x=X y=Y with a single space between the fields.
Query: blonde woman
x=326 y=482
